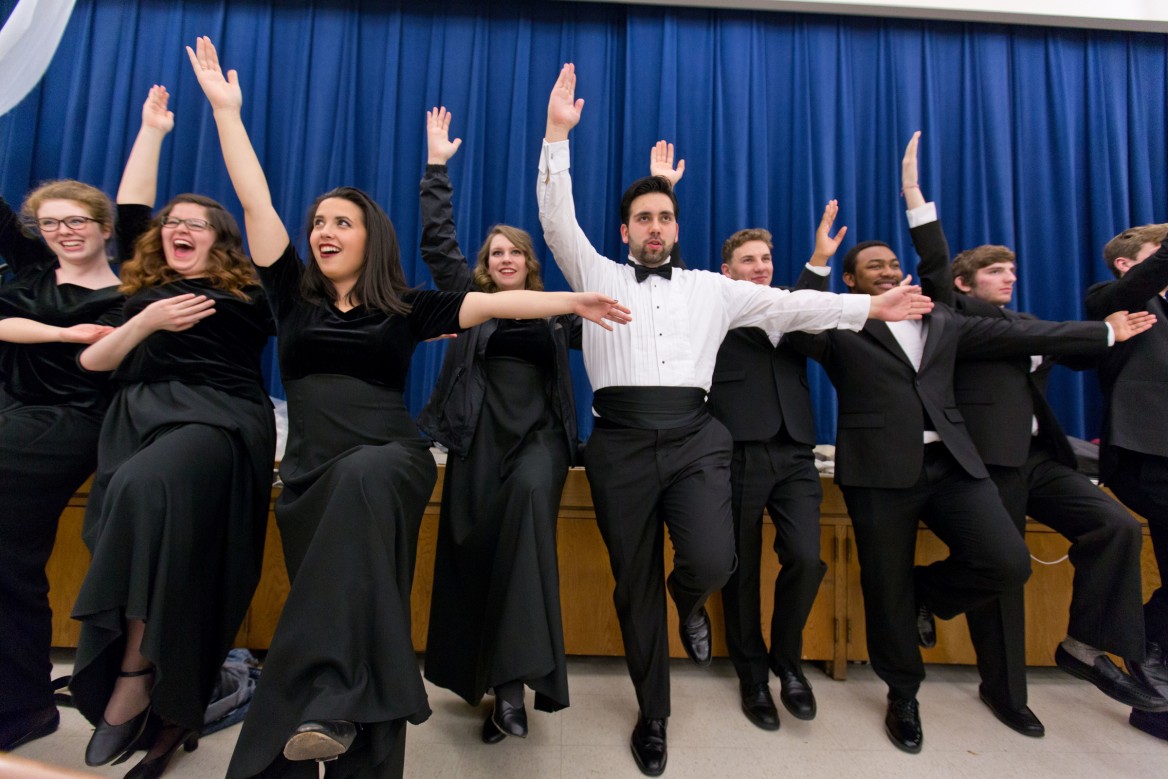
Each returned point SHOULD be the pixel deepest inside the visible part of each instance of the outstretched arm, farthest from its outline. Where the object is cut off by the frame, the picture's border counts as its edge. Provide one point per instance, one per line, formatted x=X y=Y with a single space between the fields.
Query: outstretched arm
x=900 y=303
x=266 y=236
x=661 y=163
x=478 y=307
x=181 y=312
x=17 y=330
x=440 y=248
x=140 y=178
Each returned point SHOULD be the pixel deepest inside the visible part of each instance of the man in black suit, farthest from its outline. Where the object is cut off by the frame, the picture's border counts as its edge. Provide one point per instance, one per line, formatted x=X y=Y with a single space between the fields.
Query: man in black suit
x=1032 y=465
x=1134 y=455
x=903 y=455
x=759 y=393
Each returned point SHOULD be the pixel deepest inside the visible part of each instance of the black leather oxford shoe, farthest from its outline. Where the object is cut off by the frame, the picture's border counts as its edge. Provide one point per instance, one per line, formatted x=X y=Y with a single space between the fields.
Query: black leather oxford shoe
x=758 y=705
x=1022 y=720
x=648 y=744
x=902 y=723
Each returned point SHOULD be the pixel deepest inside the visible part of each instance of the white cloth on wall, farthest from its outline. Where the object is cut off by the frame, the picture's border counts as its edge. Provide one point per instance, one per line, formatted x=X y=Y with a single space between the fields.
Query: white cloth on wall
x=28 y=42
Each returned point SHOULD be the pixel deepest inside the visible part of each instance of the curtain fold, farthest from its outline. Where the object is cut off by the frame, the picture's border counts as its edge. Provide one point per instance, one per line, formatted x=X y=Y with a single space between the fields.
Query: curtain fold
x=1046 y=140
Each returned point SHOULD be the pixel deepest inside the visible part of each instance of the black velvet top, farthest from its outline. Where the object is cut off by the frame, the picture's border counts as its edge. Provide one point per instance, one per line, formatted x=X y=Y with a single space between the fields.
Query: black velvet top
x=48 y=373
x=364 y=343
x=523 y=339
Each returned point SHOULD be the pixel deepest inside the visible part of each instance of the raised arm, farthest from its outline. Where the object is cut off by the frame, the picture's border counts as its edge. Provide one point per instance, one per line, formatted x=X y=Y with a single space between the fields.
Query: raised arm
x=266 y=236
x=140 y=177
x=661 y=163
x=178 y=313
x=825 y=245
x=478 y=307
x=440 y=248
x=909 y=183
x=928 y=236
x=564 y=108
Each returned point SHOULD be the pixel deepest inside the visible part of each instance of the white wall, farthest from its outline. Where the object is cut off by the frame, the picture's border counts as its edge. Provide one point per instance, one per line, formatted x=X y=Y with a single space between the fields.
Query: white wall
x=1138 y=15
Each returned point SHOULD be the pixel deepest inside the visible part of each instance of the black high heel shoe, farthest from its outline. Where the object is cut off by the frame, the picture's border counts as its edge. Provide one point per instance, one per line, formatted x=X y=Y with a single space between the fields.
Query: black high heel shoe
x=153 y=767
x=109 y=741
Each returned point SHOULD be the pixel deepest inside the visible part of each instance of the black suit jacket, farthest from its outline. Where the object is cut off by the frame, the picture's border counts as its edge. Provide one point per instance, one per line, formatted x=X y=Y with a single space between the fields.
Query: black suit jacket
x=1134 y=374
x=759 y=388
x=883 y=399
x=997 y=398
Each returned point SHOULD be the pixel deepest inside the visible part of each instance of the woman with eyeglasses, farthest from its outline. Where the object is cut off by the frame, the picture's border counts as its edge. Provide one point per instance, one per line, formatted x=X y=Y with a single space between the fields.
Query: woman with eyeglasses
x=341 y=678
x=178 y=511
x=62 y=296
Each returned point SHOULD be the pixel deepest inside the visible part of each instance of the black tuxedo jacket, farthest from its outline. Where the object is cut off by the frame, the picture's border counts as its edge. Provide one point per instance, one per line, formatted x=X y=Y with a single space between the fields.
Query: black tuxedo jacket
x=883 y=400
x=997 y=398
x=1134 y=374
x=759 y=388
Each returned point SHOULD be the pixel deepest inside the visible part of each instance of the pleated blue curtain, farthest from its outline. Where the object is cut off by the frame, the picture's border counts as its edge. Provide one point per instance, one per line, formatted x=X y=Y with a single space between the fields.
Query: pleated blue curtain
x=1047 y=140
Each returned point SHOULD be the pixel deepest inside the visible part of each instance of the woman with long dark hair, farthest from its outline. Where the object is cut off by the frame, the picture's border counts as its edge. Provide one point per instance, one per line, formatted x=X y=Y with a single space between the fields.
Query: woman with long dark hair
x=63 y=296
x=341 y=678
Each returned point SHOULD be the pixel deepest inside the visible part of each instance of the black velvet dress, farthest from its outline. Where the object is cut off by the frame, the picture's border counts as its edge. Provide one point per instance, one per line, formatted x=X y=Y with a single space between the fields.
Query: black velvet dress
x=356 y=480
x=178 y=511
x=50 y=415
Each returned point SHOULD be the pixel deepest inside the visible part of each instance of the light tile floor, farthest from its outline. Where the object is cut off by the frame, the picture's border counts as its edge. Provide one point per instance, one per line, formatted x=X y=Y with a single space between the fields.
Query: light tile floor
x=1087 y=733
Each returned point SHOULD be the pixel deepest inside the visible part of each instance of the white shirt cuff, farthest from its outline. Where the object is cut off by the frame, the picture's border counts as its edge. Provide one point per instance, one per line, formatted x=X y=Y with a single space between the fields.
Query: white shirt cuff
x=819 y=270
x=1110 y=334
x=854 y=312
x=922 y=215
x=554 y=157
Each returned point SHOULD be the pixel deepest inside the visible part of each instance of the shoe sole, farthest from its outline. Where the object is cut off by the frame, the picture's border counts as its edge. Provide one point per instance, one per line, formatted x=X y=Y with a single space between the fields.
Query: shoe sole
x=313 y=746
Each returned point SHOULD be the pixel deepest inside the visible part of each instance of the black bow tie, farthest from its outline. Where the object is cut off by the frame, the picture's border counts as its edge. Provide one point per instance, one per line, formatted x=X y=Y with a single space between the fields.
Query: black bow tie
x=664 y=271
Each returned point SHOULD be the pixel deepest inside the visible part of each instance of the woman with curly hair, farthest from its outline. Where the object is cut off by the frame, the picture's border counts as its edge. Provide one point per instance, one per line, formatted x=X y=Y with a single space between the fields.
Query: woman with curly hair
x=178 y=510
x=63 y=296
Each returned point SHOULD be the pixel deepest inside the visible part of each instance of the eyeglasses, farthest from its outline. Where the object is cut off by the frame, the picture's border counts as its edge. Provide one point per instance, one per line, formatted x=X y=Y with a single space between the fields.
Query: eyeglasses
x=194 y=225
x=50 y=225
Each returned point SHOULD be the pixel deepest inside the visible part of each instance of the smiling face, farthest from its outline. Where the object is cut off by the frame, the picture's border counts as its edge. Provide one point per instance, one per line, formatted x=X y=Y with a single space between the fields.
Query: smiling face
x=877 y=271
x=651 y=232
x=994 y=283
x=187 y=249
x=506 y=264
x=751 y=262
x=337 y=241
x=78 y=246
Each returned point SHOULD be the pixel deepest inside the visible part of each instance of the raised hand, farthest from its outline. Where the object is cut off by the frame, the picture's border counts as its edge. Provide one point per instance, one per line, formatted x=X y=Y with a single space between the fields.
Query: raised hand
x=661 y=163
x=175 y=314
x=825 y=245
x=597 y=308
x=222 y=93
x=563 y=107
x=909 y=178
x=84 y=334
x=1126 y=325
x=439 y=147
x=154 y=113
x=900 y=303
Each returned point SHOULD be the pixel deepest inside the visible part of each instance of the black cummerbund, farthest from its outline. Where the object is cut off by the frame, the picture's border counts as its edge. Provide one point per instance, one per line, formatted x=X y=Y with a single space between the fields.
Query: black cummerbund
x=649 y=408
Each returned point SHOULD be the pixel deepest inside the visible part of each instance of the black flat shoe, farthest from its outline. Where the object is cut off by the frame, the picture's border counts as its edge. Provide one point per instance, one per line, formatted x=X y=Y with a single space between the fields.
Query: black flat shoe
x=694 y=632
x=902 y=723
x=1022 y=720
x=796 y=695
x=510 y=720
x=1153 y=671
x=648 y=745
x=758 y=705
x=24 y=726
x=491 y=734
x=153 y=767
x=323 y=740
x=1111 y=681
x=117 y=741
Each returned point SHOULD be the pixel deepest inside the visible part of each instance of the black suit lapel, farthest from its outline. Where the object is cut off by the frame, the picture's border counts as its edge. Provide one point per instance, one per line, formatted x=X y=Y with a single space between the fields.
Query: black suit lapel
x=879 y=331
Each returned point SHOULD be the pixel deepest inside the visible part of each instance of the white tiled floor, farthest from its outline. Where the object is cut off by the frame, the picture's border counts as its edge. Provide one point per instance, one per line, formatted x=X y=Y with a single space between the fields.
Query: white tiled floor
x=1087 y=733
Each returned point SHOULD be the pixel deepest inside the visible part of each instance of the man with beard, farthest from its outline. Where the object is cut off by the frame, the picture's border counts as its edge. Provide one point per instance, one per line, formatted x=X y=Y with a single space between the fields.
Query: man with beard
x=656 y=456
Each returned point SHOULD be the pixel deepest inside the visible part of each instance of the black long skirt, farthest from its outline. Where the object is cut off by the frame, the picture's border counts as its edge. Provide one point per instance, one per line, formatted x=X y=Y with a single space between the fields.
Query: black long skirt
x=495 y=609
x=356 y=481
x=46 y=452
x=176 y=523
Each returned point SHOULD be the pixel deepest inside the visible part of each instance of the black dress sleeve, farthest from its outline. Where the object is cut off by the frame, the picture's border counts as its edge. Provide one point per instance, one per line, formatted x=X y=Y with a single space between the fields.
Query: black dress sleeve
x=440 y=248
x=133 y=220
x=281 y=280
x=19 y=250
x=434 y=313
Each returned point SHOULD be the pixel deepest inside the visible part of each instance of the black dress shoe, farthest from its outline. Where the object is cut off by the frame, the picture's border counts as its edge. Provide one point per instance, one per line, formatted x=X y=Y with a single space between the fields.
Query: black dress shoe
x=903 y=723
x=323 y=740
x=511 y=720
x=1153 y=671
x=926 y=626
x=1021 y=720
x=796 y=694
x=491 y=734
x=22 y=727
x=1113 y=682
x=1152 y=724
x=648 y=744
x=115 y=741
x=695 y=632
x=758 y=705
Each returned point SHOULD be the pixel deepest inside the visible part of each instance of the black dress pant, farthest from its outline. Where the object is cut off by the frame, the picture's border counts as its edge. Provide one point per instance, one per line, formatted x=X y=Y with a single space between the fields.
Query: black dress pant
x=1105 y=552
x=987 y=557
x=1141 y=482
x=779 y=475
x=643 y=481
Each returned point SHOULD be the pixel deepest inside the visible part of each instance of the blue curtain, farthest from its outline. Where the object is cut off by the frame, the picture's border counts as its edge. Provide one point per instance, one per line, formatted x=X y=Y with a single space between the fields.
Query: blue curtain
x=1047 y=140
